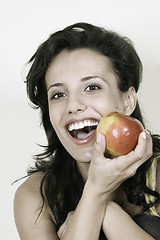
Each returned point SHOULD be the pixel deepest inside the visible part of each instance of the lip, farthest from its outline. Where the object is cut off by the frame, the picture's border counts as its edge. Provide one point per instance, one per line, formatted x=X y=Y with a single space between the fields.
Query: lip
x=81 y=141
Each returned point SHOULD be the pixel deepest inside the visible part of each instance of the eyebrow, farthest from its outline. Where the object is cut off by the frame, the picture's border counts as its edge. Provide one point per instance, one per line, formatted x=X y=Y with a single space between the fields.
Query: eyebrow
x=89 y=77
x=82 y=79
x=55 y=85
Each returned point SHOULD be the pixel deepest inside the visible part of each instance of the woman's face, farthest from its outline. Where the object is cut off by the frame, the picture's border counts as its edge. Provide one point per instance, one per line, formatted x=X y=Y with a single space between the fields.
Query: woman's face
x=82 y=88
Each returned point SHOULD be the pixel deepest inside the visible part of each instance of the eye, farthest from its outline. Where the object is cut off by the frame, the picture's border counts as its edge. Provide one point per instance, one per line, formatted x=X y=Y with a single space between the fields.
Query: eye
x=92 y=87
x=58 y=95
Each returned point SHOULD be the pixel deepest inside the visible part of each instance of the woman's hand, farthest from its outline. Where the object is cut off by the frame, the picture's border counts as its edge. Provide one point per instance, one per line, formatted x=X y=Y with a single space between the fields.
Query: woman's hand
x=64 y=226
x=108 y=174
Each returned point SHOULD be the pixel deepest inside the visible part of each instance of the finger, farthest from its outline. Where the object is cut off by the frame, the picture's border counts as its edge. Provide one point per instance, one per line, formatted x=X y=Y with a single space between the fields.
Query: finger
x=149 y=144
x=61 y=230
x=99 y=146
x=64 y=225
x=70 y=214
x=141 y=146
x=143 y=150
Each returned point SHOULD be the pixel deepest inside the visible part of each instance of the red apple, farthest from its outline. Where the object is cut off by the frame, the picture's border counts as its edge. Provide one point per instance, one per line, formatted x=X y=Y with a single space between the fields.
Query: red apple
x=121 y=133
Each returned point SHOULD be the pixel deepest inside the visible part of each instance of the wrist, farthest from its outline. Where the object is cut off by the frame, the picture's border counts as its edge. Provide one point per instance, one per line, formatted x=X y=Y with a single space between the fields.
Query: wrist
x=95 y=192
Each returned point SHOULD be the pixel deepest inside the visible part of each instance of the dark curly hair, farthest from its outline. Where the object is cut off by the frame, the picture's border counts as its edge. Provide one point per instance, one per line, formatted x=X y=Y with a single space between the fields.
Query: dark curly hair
x=62 y=183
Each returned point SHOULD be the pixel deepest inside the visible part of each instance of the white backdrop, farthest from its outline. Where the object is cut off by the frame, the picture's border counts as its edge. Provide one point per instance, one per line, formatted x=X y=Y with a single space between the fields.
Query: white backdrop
x=24 y=24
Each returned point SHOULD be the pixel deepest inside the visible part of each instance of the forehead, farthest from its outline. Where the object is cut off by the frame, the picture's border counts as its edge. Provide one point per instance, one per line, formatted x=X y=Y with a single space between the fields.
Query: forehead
x=79 y=62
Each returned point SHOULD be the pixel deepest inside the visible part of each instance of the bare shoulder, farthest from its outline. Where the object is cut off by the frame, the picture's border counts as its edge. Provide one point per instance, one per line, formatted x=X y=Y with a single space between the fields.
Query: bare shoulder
x=33 y=221
x=32 y=183
x=30 y=190
x=158 y=183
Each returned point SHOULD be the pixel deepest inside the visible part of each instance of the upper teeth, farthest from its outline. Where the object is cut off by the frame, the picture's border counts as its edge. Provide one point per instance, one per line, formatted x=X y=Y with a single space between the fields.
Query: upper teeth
x=82 y=124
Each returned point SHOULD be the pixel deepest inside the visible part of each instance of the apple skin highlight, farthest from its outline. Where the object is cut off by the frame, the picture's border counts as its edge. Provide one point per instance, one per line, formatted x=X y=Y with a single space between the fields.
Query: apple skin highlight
x=121 y=133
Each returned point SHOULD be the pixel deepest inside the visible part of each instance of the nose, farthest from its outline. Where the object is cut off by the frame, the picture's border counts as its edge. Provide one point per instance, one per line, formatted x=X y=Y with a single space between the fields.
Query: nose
x=75 y=104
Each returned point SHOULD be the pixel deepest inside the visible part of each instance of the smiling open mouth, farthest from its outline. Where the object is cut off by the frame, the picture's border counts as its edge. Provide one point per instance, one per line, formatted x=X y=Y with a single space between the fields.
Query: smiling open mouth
x=82 y=130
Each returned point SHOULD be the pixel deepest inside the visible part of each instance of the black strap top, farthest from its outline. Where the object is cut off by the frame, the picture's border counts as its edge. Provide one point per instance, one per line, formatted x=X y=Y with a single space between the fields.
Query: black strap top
x=151 y=224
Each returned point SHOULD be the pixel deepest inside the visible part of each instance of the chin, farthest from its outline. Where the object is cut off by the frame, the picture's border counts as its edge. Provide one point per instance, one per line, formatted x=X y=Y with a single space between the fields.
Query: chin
x=83 y=157
x=81 y=153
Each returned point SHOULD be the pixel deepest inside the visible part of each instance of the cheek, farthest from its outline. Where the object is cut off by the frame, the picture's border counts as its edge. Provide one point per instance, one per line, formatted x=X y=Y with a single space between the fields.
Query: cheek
x=56 y=115
x=106 y=105
x=53 y=115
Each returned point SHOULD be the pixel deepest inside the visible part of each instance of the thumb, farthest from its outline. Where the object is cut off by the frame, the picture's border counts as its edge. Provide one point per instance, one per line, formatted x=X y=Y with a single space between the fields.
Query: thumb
x=99 y=146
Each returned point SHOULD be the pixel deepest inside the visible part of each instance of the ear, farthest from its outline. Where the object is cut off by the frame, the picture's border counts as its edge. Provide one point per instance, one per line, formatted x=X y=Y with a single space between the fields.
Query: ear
x=129 y=101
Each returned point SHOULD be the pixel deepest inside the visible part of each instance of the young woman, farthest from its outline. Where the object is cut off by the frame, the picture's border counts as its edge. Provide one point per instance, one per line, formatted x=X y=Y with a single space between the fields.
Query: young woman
x=77 y=76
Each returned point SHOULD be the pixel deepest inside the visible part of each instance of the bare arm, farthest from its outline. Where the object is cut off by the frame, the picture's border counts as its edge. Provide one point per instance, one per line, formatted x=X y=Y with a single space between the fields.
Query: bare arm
x=106 y=175
x=88 y=217
x=119 y=225
x=115 y=216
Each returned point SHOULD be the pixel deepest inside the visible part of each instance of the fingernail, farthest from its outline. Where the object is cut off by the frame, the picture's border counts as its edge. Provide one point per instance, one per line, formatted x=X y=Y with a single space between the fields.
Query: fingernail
x=99 y=137
x=147 y=131
x=143 y=134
